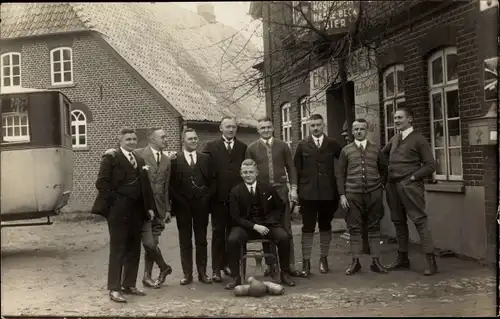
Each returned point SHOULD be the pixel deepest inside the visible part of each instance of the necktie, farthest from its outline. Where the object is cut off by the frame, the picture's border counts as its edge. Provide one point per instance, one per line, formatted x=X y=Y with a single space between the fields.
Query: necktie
x=229 y=149
x=361 y=147
x=268 y=143
x=251 y=190
x=158 y=159
x=132 y=160
x=317 y=143
x=192 y=160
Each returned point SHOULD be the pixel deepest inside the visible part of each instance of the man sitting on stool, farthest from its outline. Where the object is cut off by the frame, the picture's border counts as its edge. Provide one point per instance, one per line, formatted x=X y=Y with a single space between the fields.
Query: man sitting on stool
x=256 y=210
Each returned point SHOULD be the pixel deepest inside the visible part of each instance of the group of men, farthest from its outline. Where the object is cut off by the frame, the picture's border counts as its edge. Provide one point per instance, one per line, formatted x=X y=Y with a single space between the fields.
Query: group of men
x=247 y=190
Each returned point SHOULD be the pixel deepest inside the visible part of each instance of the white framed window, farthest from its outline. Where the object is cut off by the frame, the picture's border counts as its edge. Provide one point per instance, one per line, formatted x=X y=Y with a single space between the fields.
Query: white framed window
x=286 y=123
x=11 y=69
x=78 y=129
x=305 y=112
x=15 y=122
x=61 y=66
x=446 y=138
x=394 y=97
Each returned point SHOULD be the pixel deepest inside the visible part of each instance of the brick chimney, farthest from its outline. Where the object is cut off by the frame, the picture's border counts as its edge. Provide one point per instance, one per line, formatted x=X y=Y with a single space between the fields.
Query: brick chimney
x=206 y=10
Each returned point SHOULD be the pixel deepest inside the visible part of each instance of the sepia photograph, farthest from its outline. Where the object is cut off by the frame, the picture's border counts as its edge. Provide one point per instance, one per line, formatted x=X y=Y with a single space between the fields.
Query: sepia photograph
x=249 y=159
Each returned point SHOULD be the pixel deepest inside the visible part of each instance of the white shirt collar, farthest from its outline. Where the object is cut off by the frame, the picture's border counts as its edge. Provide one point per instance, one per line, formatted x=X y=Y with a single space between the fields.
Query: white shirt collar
x=186 y=155
x=405 y=133
x=254 y=185
x=270 y=140
x=155 y=152
x=363 y=142
x=126 y=153
x=315 y=139
x=227 y=141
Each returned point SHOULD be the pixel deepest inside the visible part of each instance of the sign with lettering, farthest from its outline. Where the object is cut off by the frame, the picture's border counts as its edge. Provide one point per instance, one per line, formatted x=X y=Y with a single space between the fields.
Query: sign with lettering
x=320 y=79
x=332 y=16
x=366 y=101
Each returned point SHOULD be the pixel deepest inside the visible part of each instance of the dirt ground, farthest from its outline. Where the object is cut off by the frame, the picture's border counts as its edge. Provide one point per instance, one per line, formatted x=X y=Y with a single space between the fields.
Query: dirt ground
x=61 y=270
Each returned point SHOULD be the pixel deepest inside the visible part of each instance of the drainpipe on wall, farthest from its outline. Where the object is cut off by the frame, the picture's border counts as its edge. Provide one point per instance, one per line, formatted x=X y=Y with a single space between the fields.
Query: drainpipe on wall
x=267 y=36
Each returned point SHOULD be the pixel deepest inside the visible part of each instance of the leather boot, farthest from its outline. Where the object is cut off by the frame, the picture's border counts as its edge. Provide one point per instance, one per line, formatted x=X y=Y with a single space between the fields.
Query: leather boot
x=234 y=282
x=323 y=265
x=401 y=262
x=376 y=266
x=306 y=268
x=431 y=265
x=147 y=281
x=355 y=267
x=271 y=270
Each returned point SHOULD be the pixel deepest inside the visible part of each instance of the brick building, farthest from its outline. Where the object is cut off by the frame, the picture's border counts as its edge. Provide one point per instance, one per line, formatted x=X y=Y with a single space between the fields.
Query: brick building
x=438 y=58
x=131 y=64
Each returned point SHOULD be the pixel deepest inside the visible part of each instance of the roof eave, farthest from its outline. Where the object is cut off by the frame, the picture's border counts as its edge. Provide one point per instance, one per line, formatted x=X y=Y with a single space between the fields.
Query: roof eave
x=27 y=37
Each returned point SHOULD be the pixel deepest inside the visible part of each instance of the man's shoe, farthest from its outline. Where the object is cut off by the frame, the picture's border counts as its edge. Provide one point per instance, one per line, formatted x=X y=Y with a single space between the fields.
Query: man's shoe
x=117 y=296
x=227 y=271
x=234 y=282
x=401 y=262
x=431 y=265
x=163 y=275
x=294 y=273
x=323 y=265
x=355 y=267
x=150 y=283
x=216 y=277
x=204 y=279
x=376 y=266
x=306 y=268
x=186 y=280
x=286 y=280
x=133 y=291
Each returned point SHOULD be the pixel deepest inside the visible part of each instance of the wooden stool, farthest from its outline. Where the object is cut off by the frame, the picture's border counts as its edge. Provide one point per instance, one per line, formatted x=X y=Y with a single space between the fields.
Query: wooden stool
x=258 y=255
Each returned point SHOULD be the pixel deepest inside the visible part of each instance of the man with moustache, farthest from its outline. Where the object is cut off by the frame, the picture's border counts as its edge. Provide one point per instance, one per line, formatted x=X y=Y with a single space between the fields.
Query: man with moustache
x=226 y=154
x=159 y=177
x=191 y=188
x=410 y=161
x=318 y=197
x=361 y=176
x=256 y=209
x=126 y=200
x=275 y=164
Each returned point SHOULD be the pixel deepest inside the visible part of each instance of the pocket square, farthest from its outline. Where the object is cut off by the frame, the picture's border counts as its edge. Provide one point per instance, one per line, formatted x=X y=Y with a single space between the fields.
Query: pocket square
x=270 y=196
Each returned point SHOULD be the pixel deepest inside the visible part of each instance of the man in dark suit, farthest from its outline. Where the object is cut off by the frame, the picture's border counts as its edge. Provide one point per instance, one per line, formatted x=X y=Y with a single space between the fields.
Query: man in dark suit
x=256 y=210
x=226 y=155
x=318 y=195
x=159 y=177
x=126 y=200
x=191 y=187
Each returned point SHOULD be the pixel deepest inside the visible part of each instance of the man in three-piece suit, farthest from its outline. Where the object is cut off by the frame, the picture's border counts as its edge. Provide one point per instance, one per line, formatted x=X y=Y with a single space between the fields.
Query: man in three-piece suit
x=226 y=155
x=191 y=187
x=318 y=195
x=256 y=209
x=159 y=177
x=126 y=200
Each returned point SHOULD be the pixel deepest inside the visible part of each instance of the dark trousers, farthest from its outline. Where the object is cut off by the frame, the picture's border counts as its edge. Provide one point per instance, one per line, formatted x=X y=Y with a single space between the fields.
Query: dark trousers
x=365 y=212
x=320 y=211
x=407 y=198
x=239 y=236
x=124 y=224
x=286 y=221
x=220 y=220
x=193 y=218
x=151 y=232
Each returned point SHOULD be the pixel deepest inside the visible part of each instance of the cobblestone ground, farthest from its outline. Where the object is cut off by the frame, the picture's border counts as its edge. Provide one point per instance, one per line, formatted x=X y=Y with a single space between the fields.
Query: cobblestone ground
x=61 y=270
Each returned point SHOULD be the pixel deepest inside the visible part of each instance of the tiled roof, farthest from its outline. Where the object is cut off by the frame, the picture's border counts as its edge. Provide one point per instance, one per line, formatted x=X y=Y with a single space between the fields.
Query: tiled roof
x=194 y=65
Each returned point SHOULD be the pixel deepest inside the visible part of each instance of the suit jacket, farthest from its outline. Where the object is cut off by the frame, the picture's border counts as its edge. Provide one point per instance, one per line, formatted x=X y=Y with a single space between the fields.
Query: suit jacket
x=226 y=166
x=240 y=205
x=111 y=180
x=316 y=169
x=159 y=177
x=179 y=200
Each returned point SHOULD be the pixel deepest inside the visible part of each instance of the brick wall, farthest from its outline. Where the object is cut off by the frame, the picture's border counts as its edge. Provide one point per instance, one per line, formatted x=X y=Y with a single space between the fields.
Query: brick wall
x=124 y=101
